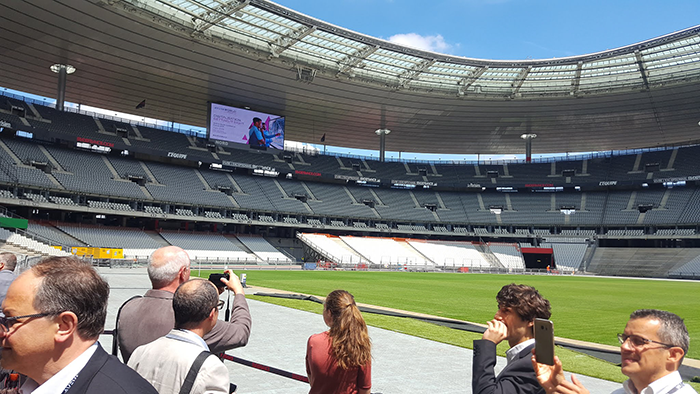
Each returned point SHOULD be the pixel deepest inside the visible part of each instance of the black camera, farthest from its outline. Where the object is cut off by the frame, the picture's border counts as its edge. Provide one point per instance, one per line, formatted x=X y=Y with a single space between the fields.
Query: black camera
x=216 y=279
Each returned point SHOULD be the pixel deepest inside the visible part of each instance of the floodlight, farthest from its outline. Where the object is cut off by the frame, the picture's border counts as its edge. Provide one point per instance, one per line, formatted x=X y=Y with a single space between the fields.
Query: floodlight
x=57 y=67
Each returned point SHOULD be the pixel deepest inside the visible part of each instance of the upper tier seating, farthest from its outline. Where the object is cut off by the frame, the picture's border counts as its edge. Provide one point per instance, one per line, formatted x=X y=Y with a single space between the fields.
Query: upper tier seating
x=671 y=163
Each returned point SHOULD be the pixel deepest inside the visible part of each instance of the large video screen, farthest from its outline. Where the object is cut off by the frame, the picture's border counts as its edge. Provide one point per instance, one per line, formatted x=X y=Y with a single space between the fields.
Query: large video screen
x=242 y=126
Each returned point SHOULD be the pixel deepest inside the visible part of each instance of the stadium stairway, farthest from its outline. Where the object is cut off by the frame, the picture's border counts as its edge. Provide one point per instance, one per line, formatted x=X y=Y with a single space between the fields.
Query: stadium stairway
x=488 y=255
x=157 y=237
x=8 y=247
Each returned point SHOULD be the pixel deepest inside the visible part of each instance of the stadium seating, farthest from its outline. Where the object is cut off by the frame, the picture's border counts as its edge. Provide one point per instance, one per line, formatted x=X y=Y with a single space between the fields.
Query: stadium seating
x=387 y=252
x=43 y=174
x=262 y=249
x=108 y=237
x=645 y=262
x=508 y=254
x=29 y=246
x=568 y=256
x=689 y=269
x=51 y=233
x=451 y=254
x=332 y=248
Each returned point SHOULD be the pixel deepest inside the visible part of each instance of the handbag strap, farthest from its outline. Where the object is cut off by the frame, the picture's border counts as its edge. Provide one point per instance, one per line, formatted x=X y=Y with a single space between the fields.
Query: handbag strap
x=194 y=370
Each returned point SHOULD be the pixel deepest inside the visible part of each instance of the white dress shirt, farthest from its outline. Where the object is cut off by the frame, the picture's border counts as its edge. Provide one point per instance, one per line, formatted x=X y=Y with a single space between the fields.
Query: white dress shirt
x=669 y=384
x=512 y=353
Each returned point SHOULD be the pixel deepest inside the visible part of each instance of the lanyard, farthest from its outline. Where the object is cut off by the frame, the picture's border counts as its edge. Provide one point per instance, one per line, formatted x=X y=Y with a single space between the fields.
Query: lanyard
x=676 y=388
x=185 y=338
x=70 y=384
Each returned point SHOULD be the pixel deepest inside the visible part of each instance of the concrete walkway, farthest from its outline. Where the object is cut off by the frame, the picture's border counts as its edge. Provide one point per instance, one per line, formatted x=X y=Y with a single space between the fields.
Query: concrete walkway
x=401 y=363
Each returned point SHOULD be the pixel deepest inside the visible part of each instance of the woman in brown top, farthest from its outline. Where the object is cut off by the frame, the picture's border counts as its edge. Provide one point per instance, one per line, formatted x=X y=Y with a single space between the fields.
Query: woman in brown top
x=339 y=361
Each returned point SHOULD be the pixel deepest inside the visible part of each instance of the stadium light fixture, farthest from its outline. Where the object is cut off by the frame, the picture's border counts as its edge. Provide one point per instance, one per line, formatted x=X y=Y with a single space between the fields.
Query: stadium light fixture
x=63 y=70
x=57 y=68
x=528 y=137
x=382 y=133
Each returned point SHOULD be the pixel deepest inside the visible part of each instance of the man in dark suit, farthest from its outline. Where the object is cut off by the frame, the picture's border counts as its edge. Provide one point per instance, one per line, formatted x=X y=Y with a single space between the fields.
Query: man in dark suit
x=54 y=314
x=518 y=306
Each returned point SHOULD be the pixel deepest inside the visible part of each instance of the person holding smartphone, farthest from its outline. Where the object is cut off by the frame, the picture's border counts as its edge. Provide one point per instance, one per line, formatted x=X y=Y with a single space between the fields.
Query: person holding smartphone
x=518 y=307
x=652 y=348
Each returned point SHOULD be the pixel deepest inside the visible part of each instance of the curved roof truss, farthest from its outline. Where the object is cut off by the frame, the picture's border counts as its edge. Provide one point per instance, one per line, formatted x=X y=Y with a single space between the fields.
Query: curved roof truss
x=279 y=31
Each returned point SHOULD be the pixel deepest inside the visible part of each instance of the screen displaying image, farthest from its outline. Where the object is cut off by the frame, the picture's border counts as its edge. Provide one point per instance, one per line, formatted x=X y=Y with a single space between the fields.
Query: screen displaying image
x=242 y=126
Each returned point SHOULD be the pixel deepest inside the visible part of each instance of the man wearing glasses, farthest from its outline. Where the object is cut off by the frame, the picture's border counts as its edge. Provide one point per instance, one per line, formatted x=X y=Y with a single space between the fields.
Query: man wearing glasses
x=652 y=348
x=144 y=319
x=167 y=361
x=53 y=315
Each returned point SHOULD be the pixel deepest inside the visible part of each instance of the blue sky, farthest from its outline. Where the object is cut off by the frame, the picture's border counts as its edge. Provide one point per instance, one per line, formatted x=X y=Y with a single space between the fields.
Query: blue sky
x=507 y=29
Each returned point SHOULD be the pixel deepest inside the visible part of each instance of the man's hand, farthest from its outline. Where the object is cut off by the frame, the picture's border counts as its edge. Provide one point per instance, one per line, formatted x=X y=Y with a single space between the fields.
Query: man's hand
x=233 y=283
x=552 y=379
x=496 y=332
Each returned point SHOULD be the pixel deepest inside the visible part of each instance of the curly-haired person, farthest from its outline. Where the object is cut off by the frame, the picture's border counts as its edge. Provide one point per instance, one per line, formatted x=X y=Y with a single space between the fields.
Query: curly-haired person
x=518 y=307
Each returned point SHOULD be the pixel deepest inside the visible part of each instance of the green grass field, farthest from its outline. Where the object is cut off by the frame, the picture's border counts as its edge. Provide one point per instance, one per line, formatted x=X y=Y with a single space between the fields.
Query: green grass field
x=585 y=308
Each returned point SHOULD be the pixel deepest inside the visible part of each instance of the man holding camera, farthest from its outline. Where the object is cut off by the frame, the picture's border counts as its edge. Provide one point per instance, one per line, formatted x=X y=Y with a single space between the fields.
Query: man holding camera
x=145 y=319
x=181 y=361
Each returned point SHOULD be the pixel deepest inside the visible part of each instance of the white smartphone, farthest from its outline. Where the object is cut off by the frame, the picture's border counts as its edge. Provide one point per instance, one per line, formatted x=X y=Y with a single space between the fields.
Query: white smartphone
x=544 y=341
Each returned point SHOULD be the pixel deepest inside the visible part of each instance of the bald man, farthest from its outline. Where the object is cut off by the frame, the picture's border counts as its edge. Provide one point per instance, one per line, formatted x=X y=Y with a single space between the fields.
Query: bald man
x=145 y=319
x=8 y=261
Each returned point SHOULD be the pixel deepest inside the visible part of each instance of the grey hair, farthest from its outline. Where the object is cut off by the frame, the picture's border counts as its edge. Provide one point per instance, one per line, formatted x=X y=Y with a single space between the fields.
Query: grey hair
x=69 y=284
x=166 y=272
x=672 y=330
x=9 y=259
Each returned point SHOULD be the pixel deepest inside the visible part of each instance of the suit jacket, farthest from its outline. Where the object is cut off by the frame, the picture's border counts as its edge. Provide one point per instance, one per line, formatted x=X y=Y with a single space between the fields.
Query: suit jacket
x=166 y=361
x=143 y=320
x=105 y=374
x=517 y=377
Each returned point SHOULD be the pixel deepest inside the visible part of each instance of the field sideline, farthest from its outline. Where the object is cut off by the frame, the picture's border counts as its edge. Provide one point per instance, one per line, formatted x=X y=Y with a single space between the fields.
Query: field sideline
x=586 y=308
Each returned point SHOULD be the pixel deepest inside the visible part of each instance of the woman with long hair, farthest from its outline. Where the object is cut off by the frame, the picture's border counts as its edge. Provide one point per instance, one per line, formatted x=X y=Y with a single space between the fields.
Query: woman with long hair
x=339 y=361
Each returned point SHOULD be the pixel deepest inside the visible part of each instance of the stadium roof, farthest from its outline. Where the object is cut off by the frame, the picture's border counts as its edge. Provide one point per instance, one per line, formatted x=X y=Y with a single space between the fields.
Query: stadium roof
x=179 y=54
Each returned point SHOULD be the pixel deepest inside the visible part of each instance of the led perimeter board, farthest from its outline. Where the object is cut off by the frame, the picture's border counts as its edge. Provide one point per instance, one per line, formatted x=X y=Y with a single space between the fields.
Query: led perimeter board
x=242 y=126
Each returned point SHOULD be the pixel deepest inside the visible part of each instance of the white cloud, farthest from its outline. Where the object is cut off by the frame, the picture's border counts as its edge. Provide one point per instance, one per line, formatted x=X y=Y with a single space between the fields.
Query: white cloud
x=427 y=43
